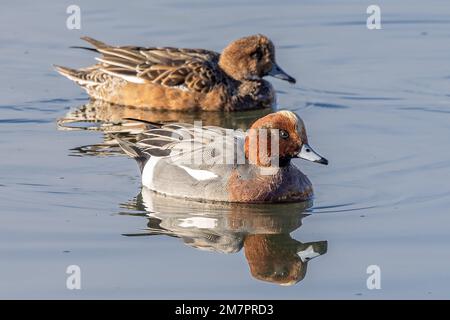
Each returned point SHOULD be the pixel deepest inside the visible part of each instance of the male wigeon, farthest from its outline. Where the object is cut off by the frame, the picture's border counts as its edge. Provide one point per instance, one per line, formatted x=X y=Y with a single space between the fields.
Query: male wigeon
x=215 y=164
x=183 y=79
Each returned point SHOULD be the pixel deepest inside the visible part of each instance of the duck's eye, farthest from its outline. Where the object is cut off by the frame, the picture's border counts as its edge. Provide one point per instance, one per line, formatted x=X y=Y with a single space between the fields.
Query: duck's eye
x=257 y=54
x=308 y=150
x=284 y=134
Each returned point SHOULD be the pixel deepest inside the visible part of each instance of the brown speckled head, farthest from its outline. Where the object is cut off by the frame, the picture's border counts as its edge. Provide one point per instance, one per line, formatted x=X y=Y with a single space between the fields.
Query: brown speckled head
x=286 y=127
x=251 y=58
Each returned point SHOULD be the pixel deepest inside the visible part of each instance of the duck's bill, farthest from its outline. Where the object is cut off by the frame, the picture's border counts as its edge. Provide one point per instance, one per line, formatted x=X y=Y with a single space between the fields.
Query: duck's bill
x=310 y=250
x=279 y=73
x=307 y=153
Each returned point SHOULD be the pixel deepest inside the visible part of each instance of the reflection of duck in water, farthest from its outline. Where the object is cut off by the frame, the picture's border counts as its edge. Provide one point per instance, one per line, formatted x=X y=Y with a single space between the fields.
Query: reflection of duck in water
x=263 y=231
x=119 y=118
x=128 y=121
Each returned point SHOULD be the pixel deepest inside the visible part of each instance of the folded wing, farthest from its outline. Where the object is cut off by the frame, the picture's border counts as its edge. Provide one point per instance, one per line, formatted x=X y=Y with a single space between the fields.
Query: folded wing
x=193 y=69
x=189 y=146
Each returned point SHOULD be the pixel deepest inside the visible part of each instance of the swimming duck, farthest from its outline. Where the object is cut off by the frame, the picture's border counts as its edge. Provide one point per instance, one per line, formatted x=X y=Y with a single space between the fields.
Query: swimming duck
x=183 y=79
x=207 y=163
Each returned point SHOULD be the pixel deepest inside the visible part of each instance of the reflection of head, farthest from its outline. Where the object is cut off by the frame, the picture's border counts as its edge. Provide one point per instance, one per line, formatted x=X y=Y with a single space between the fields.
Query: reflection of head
x=278 y=258
x=273 y=258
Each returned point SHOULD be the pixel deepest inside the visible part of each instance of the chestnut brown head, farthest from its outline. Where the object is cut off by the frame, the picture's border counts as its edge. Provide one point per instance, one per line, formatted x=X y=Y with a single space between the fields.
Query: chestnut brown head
x=277 y=138
x=252 y=58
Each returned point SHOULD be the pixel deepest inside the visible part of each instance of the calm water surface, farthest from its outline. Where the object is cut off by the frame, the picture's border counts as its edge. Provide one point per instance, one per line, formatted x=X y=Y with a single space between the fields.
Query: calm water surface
x=376 y=104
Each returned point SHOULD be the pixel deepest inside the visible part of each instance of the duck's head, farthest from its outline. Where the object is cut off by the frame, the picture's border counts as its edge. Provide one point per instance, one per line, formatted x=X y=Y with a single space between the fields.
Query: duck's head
x=279 y=137
x=252 y=58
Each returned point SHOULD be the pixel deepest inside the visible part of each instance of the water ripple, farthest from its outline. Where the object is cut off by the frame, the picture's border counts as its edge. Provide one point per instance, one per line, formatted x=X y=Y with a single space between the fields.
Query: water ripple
x=22 y=120
x=326 y=105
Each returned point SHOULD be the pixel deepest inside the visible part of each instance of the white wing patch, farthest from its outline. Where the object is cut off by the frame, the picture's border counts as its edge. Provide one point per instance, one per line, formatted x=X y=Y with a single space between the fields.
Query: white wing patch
x=199 y=175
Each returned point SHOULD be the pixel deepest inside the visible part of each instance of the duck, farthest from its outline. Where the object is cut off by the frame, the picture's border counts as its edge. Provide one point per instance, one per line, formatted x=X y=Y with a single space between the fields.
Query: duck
x=215 y=164
x=182 y=79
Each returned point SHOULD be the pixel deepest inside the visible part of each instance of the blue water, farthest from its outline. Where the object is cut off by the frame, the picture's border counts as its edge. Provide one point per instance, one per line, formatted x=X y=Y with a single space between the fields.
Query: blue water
x=375 y=103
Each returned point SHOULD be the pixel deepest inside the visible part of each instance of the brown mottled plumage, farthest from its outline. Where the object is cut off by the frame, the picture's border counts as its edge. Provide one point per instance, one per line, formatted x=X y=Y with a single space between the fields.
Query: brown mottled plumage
x=183 y=79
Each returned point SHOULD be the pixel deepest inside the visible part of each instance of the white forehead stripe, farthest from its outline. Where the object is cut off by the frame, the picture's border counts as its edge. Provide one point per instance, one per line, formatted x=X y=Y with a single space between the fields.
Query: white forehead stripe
x=295 y=118
x=289 y=114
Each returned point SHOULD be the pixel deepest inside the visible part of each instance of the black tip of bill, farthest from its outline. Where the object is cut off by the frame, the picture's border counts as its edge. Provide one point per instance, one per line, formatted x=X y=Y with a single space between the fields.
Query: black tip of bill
x=322 y=161
x=279 y=73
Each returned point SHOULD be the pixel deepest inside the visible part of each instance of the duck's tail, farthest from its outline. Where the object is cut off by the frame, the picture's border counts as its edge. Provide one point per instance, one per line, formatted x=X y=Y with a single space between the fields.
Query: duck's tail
x=84 y=76
x=81 y=77
x=97 y=44
x=72 y=74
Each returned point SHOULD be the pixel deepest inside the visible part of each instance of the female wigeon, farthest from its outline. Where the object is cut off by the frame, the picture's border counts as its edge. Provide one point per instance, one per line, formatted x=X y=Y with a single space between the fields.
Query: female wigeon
x=208 y=163
x=183 y=79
